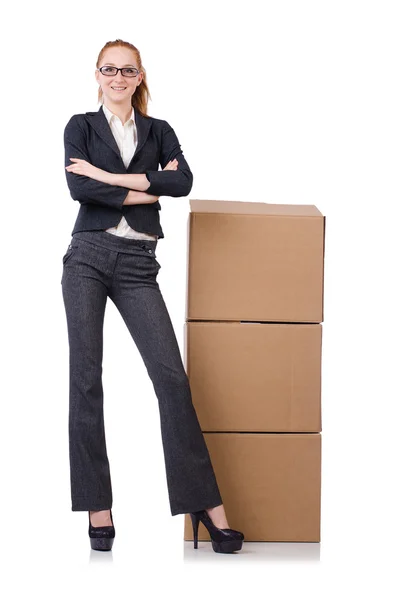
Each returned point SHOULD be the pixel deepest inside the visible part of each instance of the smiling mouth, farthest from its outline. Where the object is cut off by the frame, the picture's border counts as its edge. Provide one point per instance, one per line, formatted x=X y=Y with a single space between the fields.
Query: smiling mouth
x=118 y=89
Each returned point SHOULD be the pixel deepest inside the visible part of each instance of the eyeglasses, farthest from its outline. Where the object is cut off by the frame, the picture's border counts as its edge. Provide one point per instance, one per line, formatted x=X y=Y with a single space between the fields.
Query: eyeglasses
x=125 y=71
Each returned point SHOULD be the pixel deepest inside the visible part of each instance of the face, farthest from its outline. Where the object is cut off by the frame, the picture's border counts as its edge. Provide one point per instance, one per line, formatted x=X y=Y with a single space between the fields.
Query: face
x=118 y=57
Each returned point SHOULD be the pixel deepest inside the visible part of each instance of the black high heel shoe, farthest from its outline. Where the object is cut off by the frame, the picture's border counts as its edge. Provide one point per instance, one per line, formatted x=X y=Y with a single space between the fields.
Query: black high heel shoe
x=223 y=540
x=101 y=538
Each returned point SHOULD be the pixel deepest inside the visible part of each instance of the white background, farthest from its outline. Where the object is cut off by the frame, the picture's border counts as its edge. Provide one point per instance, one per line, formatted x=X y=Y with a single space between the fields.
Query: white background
x=280 y=102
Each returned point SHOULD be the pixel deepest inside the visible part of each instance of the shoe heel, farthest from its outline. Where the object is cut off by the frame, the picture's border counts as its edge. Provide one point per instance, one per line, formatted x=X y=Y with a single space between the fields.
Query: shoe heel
x=223 y=540
x=195 y=524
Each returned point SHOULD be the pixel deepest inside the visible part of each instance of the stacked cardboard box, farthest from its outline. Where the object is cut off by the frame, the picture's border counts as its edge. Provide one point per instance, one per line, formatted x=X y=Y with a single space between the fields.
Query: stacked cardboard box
x=253 y=338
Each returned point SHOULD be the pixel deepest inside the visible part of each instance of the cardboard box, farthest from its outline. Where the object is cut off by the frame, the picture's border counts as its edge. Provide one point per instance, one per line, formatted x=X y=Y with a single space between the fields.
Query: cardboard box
x=251 y=261
x=270 y=485
x=253 y=339
x=259 y=377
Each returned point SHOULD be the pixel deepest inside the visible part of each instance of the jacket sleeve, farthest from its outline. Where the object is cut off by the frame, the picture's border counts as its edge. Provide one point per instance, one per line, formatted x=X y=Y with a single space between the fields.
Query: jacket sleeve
x=170 y=183
x=84 y=189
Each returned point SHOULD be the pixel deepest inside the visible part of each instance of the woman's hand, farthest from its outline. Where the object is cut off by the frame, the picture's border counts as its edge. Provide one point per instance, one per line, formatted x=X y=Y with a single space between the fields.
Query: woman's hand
x=82 y=167
x=171 y=166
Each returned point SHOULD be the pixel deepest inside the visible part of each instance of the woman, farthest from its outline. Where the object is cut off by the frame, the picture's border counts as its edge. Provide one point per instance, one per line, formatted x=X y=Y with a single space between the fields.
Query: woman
x=111 y=162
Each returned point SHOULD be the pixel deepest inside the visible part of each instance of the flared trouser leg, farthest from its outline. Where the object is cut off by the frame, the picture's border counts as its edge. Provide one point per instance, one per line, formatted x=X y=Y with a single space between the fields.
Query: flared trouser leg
x=190 y=476
x=126 y=272
x=85 y=301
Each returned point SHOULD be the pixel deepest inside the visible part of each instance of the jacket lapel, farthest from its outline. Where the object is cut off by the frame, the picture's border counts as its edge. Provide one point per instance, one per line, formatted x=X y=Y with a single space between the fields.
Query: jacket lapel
x=100 y=123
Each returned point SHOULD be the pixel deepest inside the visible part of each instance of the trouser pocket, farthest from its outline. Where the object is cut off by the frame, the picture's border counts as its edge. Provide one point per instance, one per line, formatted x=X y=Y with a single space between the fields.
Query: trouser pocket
x=69 y=252
x=150 y=250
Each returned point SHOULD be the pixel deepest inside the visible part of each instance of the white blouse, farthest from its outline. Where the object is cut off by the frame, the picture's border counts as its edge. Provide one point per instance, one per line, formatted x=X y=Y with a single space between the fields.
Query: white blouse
x=127 y=139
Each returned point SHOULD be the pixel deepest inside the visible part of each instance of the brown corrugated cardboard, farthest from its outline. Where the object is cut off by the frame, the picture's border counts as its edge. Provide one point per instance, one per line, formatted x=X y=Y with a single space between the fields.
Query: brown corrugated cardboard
x=251 y=261
x=253 y=339
x=270 y=485
x=255 y=376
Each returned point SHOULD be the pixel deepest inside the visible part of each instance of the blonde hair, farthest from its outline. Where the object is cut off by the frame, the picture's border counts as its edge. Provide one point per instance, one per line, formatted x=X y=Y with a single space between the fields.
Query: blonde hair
x=139 y=99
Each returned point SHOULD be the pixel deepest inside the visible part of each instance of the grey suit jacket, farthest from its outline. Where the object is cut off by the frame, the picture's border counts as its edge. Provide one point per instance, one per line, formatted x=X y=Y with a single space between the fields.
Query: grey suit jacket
x=88 y=136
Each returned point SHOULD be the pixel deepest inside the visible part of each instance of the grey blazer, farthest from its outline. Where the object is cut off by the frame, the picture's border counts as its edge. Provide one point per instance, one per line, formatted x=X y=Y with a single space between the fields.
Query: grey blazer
x=88 y=136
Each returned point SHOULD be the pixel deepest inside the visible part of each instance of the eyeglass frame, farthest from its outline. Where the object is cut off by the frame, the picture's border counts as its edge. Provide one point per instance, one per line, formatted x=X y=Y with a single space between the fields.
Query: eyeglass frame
x=118 y=69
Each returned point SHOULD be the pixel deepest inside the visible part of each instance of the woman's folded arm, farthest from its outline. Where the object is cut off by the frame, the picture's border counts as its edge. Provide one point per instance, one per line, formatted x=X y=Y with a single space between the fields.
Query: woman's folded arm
x=170 y=183
x=84 y=189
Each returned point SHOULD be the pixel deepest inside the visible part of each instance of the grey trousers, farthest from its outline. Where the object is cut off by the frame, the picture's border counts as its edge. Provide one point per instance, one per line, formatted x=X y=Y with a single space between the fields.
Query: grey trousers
x=98 y=264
